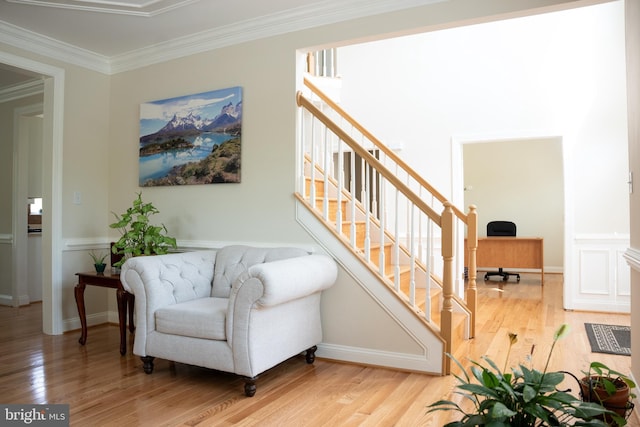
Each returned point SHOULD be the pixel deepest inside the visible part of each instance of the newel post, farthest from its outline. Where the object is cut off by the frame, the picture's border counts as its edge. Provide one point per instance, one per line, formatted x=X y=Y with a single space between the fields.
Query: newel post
x=472 y=248
x=446 y=322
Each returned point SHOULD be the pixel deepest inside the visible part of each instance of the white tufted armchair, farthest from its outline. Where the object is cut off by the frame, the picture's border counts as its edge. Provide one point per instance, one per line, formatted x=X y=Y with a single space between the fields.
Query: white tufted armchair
x=239 y=309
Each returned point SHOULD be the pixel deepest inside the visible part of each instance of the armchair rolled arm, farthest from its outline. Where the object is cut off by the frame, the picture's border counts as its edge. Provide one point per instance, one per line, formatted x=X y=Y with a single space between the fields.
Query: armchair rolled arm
x=265 y=307
x=293 y=278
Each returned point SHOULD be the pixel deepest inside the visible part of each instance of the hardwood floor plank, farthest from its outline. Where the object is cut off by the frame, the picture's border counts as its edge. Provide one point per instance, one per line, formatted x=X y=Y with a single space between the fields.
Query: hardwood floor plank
x=106 y=389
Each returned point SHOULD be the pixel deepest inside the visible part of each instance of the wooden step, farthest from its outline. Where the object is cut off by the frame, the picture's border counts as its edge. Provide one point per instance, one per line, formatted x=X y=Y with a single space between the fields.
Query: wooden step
x=360 y=230
x=319 y=185
x=333 y=207
x=375 y=254
x=420 y=292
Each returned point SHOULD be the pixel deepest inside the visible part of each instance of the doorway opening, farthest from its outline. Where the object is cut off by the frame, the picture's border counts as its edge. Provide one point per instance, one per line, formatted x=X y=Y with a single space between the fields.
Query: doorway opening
x=53 y=111
x=521 y=180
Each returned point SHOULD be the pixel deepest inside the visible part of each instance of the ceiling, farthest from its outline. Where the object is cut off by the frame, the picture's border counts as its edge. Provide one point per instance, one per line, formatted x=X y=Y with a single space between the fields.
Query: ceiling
x=110 y=27
x=106 y=30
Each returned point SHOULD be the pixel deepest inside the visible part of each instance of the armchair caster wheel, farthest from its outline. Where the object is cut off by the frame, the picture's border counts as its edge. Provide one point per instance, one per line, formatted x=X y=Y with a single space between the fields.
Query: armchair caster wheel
x=147 y=364
x=250 y=387
x=311 y=355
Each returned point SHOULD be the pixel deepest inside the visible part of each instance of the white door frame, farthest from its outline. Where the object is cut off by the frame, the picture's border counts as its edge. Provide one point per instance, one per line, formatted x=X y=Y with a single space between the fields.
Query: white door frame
x=51 y=191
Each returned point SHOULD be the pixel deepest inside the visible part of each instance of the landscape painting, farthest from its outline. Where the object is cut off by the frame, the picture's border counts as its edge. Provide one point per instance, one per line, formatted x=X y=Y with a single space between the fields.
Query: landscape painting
x=192 y=139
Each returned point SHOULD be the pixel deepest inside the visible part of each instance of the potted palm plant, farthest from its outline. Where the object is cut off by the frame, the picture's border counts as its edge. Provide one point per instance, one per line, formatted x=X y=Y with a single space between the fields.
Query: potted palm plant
x=519 y=396
x=137 y=235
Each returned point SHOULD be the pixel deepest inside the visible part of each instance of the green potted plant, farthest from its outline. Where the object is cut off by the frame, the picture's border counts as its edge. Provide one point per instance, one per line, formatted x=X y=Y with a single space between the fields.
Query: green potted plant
x=137 y=235
x=609 y=388
x=98 y=261
x=522 y=396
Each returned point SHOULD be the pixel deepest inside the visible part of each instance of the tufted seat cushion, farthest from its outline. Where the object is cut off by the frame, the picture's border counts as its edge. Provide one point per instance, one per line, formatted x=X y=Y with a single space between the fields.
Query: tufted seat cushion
x=198 y=318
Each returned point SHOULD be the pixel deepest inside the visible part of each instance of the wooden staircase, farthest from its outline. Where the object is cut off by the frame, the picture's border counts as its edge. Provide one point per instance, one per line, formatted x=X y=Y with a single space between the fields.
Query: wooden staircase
x=396 y=224
x=416 y=302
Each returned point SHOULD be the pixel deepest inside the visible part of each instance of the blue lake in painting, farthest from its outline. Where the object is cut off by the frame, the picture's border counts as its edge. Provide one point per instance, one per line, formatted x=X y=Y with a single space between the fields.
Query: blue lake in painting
x=158 y=165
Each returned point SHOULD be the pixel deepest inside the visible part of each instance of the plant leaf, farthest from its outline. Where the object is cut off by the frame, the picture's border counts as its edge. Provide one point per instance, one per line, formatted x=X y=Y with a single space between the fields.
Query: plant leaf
x=500 y=410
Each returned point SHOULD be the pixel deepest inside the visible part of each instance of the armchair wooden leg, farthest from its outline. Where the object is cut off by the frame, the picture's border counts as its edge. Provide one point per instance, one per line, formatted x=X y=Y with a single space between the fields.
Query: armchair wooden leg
x=147 y=363
x=311 y=354
x=250 y=386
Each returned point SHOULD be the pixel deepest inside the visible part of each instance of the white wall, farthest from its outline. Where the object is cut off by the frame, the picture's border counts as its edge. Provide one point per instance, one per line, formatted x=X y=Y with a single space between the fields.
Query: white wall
x=556 y=75
x=559 y=74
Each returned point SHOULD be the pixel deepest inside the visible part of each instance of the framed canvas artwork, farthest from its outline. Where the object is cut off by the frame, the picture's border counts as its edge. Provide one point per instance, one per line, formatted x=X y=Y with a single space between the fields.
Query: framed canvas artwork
x=192 y=139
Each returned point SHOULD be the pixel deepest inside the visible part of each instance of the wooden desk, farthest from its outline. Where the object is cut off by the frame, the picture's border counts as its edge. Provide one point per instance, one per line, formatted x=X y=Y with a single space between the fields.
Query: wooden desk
x=509 y=252
x=125 y=300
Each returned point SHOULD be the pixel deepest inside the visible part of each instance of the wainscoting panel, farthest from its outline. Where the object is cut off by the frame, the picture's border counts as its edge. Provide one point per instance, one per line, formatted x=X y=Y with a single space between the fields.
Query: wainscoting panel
x=594 y=272
x=602 y=275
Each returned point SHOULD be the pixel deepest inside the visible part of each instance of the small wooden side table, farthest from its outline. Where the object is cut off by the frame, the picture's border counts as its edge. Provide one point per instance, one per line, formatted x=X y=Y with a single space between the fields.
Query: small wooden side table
x=125 y=301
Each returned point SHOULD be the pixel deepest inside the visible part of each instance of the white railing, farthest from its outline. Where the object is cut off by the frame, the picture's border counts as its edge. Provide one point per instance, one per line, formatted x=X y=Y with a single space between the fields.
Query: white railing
x=398 y=223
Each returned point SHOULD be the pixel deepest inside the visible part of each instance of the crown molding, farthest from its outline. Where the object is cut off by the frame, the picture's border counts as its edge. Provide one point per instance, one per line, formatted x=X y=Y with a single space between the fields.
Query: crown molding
x=254 y=29
x=51 y=48
x=21 y=90
x=324 y=13
x=147 y=9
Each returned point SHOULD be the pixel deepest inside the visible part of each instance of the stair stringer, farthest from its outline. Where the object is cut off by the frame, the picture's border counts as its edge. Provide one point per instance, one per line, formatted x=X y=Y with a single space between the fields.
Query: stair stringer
x=431 y=358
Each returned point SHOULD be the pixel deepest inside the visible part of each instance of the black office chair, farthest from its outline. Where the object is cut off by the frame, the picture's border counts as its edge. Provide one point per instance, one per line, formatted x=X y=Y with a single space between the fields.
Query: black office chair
x=501 y=228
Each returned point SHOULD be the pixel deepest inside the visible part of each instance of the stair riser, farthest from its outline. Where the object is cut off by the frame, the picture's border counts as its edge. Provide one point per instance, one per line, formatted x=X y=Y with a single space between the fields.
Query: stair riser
x=360 y=230
x=333 y=208
x=319 y=187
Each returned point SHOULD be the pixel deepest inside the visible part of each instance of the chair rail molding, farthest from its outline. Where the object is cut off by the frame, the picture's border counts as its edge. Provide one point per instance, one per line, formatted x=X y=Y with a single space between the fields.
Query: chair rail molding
x=103 y=242
x=632 y=256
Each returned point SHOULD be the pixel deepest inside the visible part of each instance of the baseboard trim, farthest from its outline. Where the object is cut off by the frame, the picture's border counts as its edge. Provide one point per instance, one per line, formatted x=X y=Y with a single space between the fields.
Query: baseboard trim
x=8 y=300
x=366 y=356
x=552 y=270
x=92 y=320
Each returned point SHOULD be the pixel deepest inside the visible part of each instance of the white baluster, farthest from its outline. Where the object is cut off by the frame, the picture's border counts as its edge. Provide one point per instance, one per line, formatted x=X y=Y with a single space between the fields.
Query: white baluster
x=367 y=208
x=396 y=244
x=312 y=187
x=412 y=246
x=382 y=257
x=325 y=168
x=352 y=191
x=428 y=267
x=340 y=180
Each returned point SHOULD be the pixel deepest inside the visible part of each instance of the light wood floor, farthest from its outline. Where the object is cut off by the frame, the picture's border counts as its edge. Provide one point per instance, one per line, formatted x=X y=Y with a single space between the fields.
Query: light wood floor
x=105 y=389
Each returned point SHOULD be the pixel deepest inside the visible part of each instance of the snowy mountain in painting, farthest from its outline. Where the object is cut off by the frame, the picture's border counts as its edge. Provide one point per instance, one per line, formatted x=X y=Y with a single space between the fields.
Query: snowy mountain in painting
x=184 y=123
x=228 y=120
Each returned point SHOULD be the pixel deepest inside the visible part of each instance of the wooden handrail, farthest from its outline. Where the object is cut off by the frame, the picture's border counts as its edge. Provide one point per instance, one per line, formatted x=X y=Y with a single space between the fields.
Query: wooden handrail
x=382 y=147
x=369 y=158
